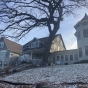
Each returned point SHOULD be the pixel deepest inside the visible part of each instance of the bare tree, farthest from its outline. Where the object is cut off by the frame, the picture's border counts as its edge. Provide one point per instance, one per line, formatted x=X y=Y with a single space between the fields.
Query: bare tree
x=22 y=16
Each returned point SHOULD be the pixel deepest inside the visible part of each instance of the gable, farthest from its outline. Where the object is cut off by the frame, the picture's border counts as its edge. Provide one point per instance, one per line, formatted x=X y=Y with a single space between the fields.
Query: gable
x=57 y=44
x=12 y=46
x=60 y=41
x=35 y=43
x=41 y=42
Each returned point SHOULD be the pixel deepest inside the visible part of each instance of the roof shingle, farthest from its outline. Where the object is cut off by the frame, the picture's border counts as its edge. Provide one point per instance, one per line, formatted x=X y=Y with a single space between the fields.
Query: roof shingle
x=13 y=46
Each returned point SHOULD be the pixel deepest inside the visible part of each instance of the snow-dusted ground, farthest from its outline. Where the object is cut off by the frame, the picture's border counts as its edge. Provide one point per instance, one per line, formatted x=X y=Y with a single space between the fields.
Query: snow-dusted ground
x=53 y=74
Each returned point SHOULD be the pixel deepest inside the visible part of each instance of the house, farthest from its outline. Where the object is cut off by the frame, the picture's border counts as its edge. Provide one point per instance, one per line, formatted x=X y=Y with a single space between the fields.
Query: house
x=66 y=57
x=9 y=52
x=82 y=37
x=33 y=50
x=58 y=52
x=76 y=55
x=35 y=47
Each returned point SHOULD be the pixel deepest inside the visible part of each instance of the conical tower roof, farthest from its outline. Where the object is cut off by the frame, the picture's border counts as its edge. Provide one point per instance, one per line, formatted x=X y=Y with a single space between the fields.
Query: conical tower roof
x=83 y=19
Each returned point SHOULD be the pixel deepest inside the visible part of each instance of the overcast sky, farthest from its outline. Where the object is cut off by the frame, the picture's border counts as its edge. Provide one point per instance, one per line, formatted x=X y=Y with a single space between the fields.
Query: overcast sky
x=67 y=31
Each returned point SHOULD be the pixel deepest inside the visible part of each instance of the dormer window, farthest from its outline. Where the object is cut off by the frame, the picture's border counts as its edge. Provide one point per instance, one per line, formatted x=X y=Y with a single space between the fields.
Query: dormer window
x=1 y=44
x=32 y=45
x=35 y=44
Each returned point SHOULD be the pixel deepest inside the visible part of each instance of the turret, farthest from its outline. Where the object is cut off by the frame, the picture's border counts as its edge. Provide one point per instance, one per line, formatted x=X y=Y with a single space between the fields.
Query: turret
x=82 y=37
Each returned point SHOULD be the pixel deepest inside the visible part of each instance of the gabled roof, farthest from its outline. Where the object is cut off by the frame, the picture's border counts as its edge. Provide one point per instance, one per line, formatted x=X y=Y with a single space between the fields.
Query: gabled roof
x=43 y=41
x=85 y=18
x=13 y=46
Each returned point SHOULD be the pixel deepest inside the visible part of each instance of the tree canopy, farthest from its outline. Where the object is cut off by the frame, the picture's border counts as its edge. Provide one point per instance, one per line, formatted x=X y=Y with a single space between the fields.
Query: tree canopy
x=22 y=16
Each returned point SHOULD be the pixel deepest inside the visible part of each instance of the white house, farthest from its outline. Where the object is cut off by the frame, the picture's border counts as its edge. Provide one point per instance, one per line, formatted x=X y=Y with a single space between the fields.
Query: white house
x=9 y=53
x=59 y=55
x=33 y=50
x=82 y=38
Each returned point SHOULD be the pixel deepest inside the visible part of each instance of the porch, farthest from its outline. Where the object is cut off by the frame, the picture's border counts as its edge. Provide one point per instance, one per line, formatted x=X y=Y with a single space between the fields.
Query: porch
x=36 y=55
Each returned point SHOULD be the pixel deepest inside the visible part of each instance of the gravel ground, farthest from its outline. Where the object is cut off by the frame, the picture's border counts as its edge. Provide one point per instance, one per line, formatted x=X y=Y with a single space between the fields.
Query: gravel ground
x=55 y=75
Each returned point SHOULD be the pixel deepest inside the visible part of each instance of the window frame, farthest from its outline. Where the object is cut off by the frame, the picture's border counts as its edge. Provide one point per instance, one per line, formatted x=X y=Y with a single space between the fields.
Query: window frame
x=78 y=35
x=62 y=59
x=80 y=52
x=0 y=63
x=86 y=52
x=66 y=58
x=76 y=56
x=35 y=44
x=5 y=63
x=71 y=58
x=58 y=59
x=85 y=33
x=1 y=44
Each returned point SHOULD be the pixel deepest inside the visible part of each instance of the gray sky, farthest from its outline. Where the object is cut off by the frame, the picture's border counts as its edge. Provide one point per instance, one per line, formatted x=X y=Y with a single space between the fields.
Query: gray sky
x=67 y=30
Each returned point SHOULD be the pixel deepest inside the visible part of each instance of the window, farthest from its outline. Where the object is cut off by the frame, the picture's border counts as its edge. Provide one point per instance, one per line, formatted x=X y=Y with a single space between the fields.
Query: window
x=86 y=50
x=76 y=56
x=3 y=52
x=78 y=35
x=58 y=58
x=0 y=63
x=32 y=45
x=85 y=33
x=80 y=52
x=1 y=44
x=62 y=58
x=12 y=64
x=37 y=44
x=5 y=63
x=66 y=57
x=7 y=54
x=71 y=57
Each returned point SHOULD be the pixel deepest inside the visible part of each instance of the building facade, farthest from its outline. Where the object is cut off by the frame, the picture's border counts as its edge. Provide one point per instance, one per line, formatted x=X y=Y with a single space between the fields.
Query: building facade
x=9 y=53
x=35 y=47
x=59 y=54
x=66 y=57
x=82 y=38
x=33 y=50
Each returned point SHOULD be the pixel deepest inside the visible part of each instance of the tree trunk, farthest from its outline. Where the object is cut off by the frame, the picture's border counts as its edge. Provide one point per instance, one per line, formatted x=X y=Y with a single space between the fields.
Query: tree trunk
x=47 y=49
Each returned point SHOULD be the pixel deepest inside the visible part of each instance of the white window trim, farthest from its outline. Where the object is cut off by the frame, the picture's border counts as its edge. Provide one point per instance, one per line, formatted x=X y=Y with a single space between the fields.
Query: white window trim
x=2 y=44
x=34 y=44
